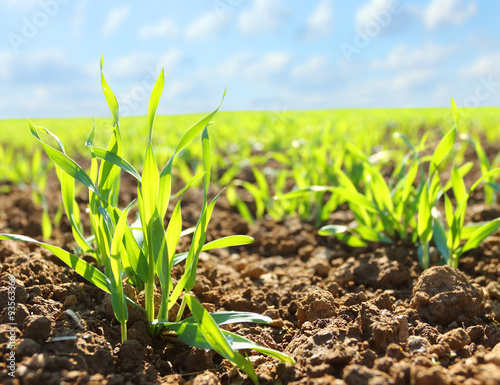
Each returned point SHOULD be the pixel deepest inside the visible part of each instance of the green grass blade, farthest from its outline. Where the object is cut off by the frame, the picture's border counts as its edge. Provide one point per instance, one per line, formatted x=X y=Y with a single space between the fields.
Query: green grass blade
x=457 y=225
x=173 y=233
x=424 y=224
x=448 y=210
x=229 y=241
x=174 y=228
x=457 y=185
x=442 y=150
x=242 y=343
x=258 y=197
x=454 y=110
x=117 y=296
x=136 y=256
x=303 y=192
x=149 y=185
x=58 y=141
x=207 y=165
x=116 y=160
x=261 y=180
x=494 y=186
x=109 y=95
x=405 y=140
x=86 y=270
x=159 y=246
x=408 y=181
x=351 y=240
x=332 y=230
x=469 y=229
x=108 y=221
x=463 y=170
x=198 y=242
x=371 y=235
x=489 y=192
x=72 y=210
x=166 y=173
x=154 y=100
x=66 y=164
x=217 y=340
x=356 y=198
x=440 y=239
x=147 y=197
x=434 y=189
x=232 y=317
x=480 y=234
x=483 y=177
x=381 y=191
x=190 y=334
x=109 y=174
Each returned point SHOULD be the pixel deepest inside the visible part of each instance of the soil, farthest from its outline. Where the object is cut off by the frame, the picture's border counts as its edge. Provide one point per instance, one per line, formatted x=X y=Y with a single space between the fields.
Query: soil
x=347 y=316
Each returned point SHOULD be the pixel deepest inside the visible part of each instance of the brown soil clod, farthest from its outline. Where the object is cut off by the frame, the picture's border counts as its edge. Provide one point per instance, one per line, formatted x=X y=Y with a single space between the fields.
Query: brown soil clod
x=443 y=294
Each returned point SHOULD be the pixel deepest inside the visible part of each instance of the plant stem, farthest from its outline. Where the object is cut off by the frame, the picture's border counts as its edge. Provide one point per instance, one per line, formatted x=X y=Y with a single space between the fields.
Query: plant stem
x=425 y=255
x=181 y=309
x=123 y=326
x=453 y=261
x=149 y=299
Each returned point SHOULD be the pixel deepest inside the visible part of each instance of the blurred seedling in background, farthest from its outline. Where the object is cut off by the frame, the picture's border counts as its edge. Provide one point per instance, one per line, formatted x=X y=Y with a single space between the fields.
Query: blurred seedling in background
x=24 y=171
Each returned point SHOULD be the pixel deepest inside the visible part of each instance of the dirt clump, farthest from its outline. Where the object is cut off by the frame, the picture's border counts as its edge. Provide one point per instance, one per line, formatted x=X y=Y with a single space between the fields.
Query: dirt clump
x=443 y=294
x=316 y=304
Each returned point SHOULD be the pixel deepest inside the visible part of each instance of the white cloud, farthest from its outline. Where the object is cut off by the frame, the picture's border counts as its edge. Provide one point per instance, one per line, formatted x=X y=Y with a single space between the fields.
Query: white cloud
x=319 y=24
x=405 y=81
x=409 y=88
x=426 y=55
x=46 y=83
x=137 y=69
x=480 y=82
x=440 y=13
x=179 y=88
x=79 y=17
x=486 y=65
x=171 y=60
x=54 y=100
x=114 y=20
x=270 y=64
x=44 y=66
x=164 y=29
x=255 y=69
x=263 y=17
x=206 y=27
x=6 y=64
x=129 y=65
x=379 y=11
x=316 y=70
x=233 y=66
x=21 y=4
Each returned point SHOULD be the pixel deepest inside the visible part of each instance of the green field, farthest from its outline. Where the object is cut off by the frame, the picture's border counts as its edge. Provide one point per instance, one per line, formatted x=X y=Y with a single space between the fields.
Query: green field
x=241 y=135
x=266 y=130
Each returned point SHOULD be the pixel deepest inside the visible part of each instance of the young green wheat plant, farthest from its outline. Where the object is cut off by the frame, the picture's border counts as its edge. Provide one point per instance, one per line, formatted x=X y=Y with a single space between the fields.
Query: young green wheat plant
x=406 y=205
x=383 y=210
x=451 y=237
x=145 y=252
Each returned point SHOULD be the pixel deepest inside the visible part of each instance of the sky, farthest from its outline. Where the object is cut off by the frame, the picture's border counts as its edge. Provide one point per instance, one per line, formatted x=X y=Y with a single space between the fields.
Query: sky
x=273 y=55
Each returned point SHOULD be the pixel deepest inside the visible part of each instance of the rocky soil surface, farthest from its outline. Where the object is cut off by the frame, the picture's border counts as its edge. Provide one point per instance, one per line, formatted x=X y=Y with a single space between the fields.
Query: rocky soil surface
x=347 y=316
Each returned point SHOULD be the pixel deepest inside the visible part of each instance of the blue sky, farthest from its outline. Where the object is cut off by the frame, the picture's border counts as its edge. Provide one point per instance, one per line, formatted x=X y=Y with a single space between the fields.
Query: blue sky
x=270 y=54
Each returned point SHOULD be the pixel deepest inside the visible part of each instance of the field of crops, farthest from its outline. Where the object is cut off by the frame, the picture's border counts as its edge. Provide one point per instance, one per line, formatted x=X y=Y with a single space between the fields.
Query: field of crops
x=354 y=246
